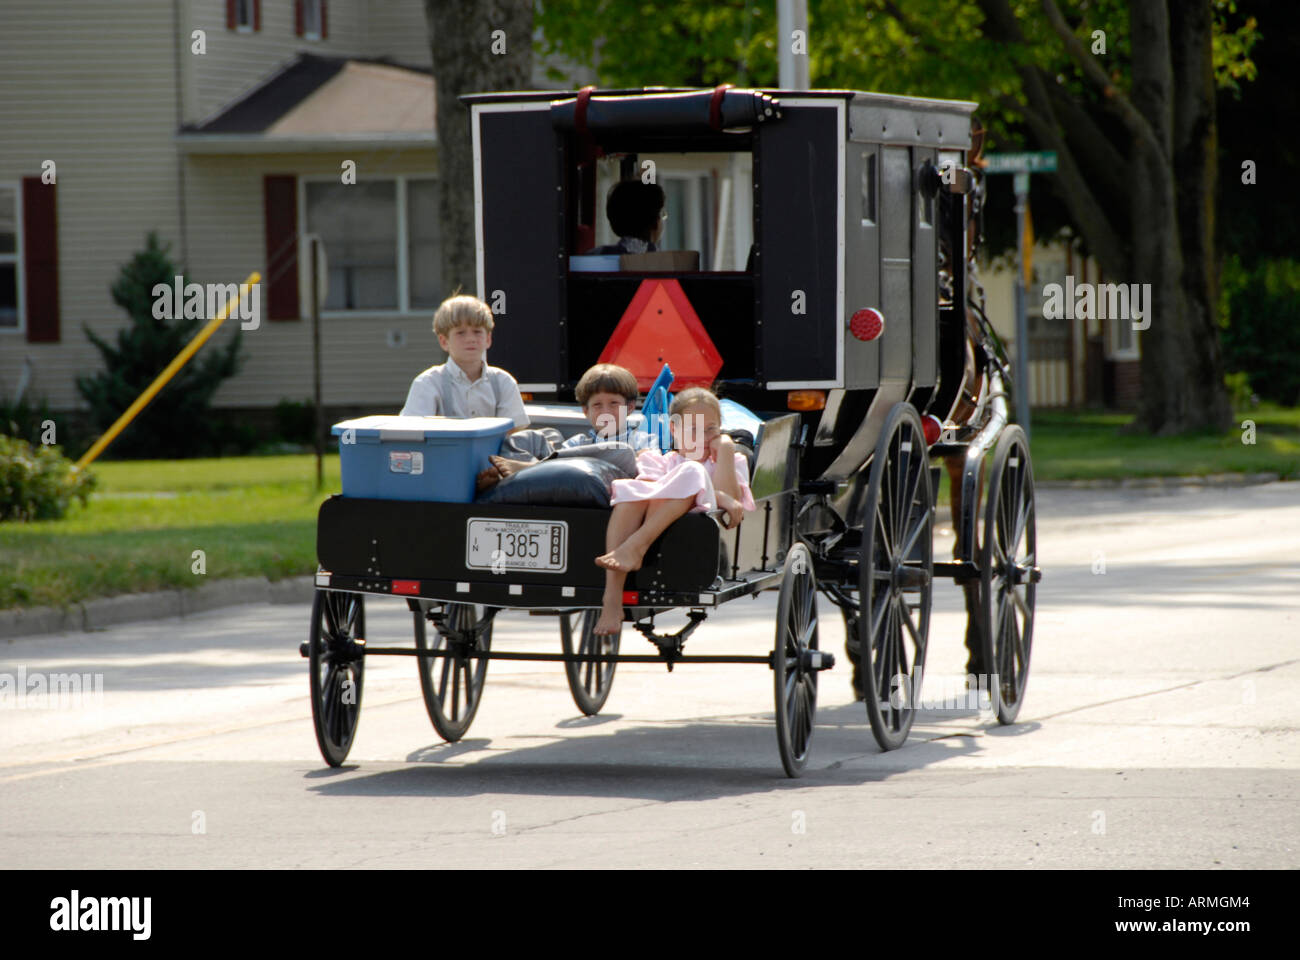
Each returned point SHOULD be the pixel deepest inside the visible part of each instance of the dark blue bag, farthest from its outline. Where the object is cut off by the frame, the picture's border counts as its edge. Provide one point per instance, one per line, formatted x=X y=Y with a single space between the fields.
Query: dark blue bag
x=566 y=482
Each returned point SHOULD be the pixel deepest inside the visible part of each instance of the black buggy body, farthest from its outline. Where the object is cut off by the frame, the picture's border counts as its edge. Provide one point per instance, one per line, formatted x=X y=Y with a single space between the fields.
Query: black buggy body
x=855 y=330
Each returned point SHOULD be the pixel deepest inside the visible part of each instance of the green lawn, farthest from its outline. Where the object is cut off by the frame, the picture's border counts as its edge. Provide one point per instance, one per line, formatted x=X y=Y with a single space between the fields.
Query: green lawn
x=256 y=516
x=251 y=516
x=1086 y=446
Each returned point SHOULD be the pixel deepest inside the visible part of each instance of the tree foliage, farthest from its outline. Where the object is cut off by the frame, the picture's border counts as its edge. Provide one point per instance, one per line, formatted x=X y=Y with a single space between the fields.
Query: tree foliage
x=176 y=421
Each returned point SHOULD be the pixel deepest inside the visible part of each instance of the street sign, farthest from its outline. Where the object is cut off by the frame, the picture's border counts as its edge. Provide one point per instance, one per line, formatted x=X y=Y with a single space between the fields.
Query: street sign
x=1042 y=162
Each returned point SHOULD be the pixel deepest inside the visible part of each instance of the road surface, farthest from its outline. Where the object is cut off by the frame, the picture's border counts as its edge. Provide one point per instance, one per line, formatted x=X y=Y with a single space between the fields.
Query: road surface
x=1159 y=730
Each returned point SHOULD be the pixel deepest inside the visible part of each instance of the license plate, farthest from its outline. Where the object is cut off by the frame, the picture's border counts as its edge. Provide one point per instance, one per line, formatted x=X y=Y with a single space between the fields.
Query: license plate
x=501 y=545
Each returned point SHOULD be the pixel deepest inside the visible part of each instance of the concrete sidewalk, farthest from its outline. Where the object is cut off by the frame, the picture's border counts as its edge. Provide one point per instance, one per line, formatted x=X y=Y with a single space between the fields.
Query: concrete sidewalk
x=133 y=607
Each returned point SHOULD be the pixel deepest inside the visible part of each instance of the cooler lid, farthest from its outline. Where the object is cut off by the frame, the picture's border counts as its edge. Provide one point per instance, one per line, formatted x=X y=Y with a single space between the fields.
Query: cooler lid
x=388 y=427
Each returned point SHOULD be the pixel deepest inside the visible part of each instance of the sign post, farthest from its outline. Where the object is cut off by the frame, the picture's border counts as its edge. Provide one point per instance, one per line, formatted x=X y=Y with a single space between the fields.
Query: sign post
x=1022 y=165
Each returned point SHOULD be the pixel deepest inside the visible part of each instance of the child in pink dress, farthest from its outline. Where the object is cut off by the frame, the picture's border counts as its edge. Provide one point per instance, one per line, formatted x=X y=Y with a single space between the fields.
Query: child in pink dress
x=703 y=473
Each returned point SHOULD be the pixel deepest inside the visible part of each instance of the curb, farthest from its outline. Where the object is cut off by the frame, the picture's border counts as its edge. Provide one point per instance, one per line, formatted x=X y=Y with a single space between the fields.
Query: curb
x=134 y=607
x=1161 y=483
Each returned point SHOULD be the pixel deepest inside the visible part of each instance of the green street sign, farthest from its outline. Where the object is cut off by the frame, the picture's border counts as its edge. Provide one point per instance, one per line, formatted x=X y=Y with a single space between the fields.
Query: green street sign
x=1041 y=162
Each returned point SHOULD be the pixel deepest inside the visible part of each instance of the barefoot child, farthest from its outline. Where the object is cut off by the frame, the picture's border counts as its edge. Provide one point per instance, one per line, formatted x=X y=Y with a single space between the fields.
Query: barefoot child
x=703 y=473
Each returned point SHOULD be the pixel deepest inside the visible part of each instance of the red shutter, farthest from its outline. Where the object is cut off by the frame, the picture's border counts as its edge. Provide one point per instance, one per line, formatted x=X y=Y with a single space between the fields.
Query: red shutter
x=297 y=17
x=280 y=208
x=40 y=261
x=230 y=15
x=324 y=20
x=257 y=15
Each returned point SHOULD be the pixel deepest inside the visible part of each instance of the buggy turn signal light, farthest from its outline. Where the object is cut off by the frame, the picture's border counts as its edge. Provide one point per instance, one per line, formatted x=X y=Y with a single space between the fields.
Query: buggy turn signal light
x=526 y=397
x=806 y=399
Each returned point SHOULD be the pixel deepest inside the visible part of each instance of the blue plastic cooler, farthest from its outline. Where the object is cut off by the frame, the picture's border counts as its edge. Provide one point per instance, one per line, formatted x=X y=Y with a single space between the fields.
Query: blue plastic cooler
x=416 y=458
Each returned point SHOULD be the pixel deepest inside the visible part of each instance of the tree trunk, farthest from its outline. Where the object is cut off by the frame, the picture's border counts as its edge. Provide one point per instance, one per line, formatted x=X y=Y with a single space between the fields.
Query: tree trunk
x=468 y=57
x=1173 y=87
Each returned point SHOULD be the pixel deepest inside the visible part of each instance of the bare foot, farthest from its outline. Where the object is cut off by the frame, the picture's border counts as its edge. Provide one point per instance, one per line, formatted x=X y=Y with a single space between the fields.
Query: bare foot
x=486 y=478
x=622 y=558
x=506 y=468
x=610 y=622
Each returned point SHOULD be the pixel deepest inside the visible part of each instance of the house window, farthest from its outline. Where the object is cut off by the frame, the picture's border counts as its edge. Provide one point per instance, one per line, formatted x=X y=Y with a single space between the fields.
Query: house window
x=245 y=15
x=313 y=16
x=424 y=258
x=1123 y=339
x=381 y=242
x=10 y=268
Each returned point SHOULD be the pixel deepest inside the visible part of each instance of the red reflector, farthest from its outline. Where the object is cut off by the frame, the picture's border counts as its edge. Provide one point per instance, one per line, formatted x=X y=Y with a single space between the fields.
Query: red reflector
x=867 y=324
x=932 y=427
x=630 y=598
x=406 y=586
x=660 y=326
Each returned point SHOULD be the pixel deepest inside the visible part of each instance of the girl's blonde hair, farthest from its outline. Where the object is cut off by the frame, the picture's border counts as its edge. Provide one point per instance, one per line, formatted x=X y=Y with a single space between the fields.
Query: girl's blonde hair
x=692 y=396
x=461 y=311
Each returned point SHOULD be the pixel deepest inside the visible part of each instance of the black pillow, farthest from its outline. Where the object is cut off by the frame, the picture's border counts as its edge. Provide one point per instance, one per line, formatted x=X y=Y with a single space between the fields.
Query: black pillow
x=567 y=482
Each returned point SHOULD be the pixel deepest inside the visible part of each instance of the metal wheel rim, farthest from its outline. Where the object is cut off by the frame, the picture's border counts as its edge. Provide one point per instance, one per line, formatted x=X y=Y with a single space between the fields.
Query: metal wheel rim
x=453 y=680
x=589 y=681
x=336 y=618
x=898 y=525
x=795 y=688
x=1007 y=606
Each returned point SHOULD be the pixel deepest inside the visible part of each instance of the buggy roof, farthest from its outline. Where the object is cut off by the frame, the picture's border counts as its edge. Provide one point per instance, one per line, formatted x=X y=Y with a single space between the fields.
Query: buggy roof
x=702 y=118
x=860 y=96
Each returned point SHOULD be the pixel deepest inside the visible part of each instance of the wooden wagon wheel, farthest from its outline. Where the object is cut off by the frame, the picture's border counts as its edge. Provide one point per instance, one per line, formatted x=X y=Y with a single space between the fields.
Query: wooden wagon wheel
x=794 y=664
x=1008 y=561
x=453 y=685
x=589 y=681
x=896 y=576
x=336 y=661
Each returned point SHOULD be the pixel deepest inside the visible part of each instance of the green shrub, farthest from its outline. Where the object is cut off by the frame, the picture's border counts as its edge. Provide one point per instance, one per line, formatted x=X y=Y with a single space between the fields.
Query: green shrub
x=177 y=422
x=38 y=483
x=295 y=422
x=1260 y=313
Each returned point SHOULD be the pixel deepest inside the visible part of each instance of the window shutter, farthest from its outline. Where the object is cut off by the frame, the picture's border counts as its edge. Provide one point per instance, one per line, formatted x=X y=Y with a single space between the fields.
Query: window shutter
x=280 y=207
x=297 y=17
x=257 y=15
x=40 y=261
x=324 y=19
x=230 y=15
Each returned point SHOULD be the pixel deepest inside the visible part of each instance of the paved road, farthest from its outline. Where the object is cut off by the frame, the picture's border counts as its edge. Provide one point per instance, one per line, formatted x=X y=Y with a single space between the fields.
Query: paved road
x=1159 y=730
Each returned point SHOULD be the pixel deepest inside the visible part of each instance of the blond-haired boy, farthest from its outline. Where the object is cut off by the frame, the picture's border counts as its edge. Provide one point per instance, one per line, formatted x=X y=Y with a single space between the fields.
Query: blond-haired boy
x=465 y=386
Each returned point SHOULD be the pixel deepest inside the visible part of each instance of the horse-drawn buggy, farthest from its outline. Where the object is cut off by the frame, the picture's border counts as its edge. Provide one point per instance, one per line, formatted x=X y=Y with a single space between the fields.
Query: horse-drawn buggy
x=848 y=320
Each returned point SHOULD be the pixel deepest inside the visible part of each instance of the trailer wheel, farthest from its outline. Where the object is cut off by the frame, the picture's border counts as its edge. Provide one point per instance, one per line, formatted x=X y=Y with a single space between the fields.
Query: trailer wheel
x=896 y=576
x=453 y=685
x=1008 y=573
x=336 y=661
x=589 y=681
x=793 y=668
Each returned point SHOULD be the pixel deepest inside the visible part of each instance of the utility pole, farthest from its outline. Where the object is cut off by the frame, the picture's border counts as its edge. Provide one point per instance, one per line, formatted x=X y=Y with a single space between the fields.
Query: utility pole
x=792 y=15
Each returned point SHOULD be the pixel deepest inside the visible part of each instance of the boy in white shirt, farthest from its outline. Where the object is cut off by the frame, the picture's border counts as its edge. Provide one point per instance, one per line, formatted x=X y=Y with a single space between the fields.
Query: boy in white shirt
x=465 y=386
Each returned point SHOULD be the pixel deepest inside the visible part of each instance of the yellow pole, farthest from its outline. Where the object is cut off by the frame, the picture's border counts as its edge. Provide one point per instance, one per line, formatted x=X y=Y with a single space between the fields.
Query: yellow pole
x=160 y=381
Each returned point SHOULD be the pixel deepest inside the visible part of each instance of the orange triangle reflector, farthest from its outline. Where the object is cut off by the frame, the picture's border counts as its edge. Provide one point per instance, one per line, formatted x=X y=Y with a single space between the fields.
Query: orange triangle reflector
x=660 y=326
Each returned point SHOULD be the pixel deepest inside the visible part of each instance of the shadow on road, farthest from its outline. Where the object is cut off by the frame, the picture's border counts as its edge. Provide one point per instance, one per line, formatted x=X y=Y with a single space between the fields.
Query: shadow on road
x=696 y=760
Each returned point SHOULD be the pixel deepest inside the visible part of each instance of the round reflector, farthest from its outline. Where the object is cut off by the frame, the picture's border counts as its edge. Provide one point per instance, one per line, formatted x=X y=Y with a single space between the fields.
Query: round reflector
x=932 y=427
x=867 y=324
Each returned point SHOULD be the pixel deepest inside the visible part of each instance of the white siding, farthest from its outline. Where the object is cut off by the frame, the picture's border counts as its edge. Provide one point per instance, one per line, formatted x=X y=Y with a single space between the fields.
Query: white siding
x=90 y=86
x=397 y=29
x=236 y=62
x=224 y=196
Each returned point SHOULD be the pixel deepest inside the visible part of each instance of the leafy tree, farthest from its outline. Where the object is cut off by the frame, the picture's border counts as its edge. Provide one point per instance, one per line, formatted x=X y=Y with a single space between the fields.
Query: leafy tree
x=176 y=421
x=1134 y=126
